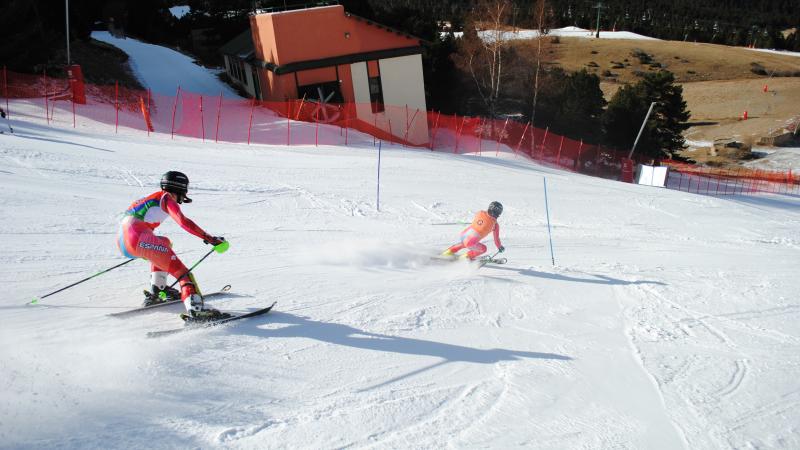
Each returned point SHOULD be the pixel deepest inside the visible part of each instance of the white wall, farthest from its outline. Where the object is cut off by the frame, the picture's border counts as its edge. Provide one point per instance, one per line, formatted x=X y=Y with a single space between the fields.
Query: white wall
x=402 y=84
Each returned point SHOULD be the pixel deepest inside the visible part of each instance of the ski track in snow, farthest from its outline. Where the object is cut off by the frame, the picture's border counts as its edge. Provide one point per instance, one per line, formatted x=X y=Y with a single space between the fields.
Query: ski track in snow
x=670 y=319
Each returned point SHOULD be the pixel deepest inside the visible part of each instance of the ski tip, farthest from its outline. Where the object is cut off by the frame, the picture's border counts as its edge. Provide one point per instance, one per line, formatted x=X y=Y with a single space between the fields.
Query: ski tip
x=225 y=288
x=34 y=301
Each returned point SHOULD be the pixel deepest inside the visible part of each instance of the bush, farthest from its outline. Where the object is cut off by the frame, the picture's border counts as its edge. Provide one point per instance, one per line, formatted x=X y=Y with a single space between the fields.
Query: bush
x=757 y=69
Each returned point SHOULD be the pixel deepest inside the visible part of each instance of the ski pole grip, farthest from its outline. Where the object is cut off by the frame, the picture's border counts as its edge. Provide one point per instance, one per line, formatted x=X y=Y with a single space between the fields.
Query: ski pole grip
x=222 y=247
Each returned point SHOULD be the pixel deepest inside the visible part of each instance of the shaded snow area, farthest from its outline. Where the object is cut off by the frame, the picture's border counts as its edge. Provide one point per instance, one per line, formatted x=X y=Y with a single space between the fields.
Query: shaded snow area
x=670 y=320
x=162 y=69
x=489 y=35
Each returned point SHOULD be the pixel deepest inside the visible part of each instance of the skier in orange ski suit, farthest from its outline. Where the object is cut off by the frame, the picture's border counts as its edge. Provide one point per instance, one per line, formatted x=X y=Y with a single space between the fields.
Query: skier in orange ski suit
x=485 y=222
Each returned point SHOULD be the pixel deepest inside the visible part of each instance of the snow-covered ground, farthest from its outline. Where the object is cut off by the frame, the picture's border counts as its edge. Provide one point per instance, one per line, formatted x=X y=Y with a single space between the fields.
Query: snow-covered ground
x=777 y=52
x=162 y=69
x=562 y=32
x=670 y=320
x=179 y=11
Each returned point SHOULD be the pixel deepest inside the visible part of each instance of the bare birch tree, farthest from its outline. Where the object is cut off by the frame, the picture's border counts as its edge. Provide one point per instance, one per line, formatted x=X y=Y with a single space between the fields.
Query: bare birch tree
x=482 y=48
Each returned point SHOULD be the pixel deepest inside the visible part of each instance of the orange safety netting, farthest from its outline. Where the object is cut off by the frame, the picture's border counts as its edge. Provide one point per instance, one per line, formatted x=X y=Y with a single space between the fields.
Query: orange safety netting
x=306 y=122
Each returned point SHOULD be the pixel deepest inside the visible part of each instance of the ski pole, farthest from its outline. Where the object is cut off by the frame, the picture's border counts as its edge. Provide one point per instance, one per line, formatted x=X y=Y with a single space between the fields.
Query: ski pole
x=36 y=300
x=219 y=248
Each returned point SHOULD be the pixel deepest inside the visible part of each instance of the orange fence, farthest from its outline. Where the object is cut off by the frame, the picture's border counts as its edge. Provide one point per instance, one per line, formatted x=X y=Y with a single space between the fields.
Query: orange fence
x=304 y=122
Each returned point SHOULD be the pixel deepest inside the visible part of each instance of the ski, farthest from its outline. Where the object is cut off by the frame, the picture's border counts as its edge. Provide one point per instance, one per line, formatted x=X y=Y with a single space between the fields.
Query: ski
x=488 y=260
x=144 y=309
x=213 y=323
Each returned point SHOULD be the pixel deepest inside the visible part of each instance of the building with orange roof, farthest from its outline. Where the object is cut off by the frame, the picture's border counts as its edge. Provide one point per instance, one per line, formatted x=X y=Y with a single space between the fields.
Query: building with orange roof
x=326 y=55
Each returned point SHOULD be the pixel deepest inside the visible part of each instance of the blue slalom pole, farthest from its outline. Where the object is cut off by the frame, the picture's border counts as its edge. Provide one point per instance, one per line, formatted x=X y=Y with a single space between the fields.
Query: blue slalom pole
x=549 y=234
x=378 y=201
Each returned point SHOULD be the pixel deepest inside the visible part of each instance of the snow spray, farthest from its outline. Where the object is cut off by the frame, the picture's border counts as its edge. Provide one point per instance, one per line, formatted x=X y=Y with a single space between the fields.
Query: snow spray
x=547 y=210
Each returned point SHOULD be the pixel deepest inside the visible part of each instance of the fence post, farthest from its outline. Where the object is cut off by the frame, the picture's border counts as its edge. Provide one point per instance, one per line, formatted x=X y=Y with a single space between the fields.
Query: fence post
x=116 y=107
x=174 y=110
x=289 y=122
x=435 y=128
x=458 y=135
x=202 y=121
x=405 y=135
x=378 y=195
x=500 y=138
x=73 y=111
x=219 y=114
x=316 y=133
x=375 y=119
x=147 y=108
x=578 y=158
x=250 y=126
x=346 y=122
x=5 y=91
x=560 y=146
x=519 y=144
x=480 y=137
x=46 y=106
x=546 y=130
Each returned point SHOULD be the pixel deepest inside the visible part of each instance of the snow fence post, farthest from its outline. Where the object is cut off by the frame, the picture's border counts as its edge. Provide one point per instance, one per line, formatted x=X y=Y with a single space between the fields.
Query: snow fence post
x=147 y=115
x=219 y=114
x=250 y=126
x=46 y=107
x=174 y=110
x=458 y=135
x=435 y=128
x=519 y=144
x=500 y=138
x=116 y=107
x=547 y=209
x=560 y=146
x=202 y=122
x=5 y=91
x=378 y=195
x=289 y=123
x=346 y=122
x=546 y=130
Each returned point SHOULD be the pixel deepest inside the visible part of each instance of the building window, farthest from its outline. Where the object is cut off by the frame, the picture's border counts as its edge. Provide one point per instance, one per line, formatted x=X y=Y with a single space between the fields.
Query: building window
x=376 y=94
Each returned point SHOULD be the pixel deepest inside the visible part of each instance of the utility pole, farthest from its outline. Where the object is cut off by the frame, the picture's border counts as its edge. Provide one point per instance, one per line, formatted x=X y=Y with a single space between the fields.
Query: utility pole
x=598 y=7
x=644 y=122
x=67 y=16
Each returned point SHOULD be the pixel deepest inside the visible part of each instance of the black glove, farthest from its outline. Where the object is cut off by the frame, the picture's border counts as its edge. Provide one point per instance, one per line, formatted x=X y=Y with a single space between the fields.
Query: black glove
x=2 y=113
x=501 y=249
x=214 y=240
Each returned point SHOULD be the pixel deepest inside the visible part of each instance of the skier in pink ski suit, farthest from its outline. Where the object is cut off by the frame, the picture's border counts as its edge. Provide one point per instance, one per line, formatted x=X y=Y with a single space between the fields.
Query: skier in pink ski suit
x=137 y=240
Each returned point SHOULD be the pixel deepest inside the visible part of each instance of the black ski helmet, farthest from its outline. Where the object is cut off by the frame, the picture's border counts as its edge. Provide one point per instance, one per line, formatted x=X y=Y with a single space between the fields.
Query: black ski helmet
x=495 y=209
x=177 y=183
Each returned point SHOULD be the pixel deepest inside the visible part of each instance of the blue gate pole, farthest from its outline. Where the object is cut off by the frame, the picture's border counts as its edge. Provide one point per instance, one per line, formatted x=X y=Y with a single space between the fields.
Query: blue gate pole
x=378 y=202
x=549 y=234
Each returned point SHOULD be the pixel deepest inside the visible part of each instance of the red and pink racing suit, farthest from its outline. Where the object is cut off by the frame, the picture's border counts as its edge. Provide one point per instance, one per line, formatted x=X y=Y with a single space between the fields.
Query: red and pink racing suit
x=481 y=226
x=136 y=238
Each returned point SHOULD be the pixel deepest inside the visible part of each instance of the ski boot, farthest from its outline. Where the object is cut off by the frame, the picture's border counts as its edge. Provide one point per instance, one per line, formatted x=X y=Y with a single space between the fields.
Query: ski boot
x=160 y=292
x=195 y=309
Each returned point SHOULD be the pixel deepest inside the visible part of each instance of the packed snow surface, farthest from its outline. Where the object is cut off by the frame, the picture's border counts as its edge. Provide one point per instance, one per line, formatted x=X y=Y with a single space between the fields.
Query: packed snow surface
x=162 y=69
x=670 y=320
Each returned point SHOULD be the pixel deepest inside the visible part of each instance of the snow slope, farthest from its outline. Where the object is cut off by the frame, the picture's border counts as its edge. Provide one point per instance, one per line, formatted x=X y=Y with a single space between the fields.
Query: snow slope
x=563 y=32
x=670 y=320
x=162 y=69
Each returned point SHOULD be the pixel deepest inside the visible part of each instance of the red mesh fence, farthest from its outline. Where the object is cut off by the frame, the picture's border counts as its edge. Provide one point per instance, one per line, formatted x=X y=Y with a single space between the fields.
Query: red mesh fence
x=304 y=122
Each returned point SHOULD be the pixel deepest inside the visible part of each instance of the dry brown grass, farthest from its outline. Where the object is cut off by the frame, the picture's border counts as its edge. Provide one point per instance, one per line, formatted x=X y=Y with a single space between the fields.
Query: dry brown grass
x=689 y=61
x=719 y=82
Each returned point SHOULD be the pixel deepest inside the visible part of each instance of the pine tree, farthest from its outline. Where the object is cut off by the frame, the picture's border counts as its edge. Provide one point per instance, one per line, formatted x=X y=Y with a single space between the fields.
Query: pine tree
x=662 y=134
